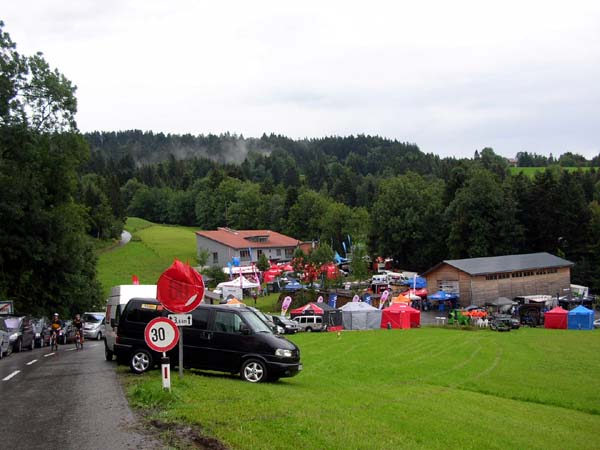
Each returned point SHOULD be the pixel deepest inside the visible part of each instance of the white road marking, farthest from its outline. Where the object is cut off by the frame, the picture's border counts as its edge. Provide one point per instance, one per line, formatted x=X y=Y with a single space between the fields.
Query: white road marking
x=31 y=362
x=49 y=354
x=70 y=349
x=8 y=377
x=93 y=345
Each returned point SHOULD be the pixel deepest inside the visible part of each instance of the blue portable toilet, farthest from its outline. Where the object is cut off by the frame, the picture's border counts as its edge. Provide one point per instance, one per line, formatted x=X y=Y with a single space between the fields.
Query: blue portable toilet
x=581 y=318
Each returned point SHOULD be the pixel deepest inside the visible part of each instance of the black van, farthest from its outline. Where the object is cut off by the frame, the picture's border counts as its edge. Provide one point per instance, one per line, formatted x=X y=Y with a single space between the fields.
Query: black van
x=221 y=338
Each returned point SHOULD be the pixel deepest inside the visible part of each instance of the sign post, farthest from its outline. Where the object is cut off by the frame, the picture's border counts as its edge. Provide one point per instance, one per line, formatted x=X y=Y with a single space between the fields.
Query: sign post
x=180 y=289
x=161 y=335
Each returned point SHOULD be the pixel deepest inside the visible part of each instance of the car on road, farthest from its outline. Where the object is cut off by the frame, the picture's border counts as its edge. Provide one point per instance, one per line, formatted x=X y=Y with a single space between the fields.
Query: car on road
x=289 y=326
x=21 y=332
x=221 y=338
x=93 y=327
x=5 y=347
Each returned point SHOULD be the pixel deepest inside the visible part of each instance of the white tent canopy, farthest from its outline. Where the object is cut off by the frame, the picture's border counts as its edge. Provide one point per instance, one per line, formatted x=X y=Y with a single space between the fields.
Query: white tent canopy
x=360 y=316
x=245 y=283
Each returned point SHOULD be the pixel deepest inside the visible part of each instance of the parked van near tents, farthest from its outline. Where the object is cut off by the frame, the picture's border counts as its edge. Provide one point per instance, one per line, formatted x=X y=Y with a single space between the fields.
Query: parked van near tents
x=119 y=296
x=221 y=338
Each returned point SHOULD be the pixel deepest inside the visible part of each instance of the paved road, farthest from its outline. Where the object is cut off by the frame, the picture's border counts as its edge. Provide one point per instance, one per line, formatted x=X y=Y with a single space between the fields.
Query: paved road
x=69 y=400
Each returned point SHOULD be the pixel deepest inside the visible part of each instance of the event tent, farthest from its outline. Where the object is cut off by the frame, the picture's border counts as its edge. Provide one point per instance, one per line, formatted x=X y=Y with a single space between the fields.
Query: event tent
x=400 y=299
x=581 y=318
x=331 y=316
x=400 y=315
x=360 y=316
x=244 y=283
x=415 y=283
x=556 y=318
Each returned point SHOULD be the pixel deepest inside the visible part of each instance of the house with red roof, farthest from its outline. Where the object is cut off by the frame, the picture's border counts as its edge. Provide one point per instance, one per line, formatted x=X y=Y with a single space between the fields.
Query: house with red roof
x=223 y=244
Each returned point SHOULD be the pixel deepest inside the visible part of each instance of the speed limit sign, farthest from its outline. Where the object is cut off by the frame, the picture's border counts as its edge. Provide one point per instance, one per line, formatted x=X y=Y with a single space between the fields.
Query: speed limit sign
x=161 y=334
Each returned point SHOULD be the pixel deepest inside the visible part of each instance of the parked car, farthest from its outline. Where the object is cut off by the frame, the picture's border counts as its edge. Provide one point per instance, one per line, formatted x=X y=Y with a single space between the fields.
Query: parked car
x=267 y=320
x=221 y=338
x=93 y=327
x=289 y=326
x=597 y=323
x=501 y=323
x=68 y=335
x=21 y=332
x=5 y=347
x=40 y=328
x=310 y=323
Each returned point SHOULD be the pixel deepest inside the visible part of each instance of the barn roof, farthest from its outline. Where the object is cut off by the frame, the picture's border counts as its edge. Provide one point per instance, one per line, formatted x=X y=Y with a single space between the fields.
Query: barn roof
x=506 y=263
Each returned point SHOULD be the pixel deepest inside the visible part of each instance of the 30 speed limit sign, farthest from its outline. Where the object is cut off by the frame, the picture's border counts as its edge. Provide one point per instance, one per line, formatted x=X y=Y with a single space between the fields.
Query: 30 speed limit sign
x=161 y=334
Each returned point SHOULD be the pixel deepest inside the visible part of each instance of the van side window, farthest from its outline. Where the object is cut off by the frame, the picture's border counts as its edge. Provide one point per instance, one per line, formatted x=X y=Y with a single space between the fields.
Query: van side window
x=200 y=318
x=141 y=315
x=226 y=322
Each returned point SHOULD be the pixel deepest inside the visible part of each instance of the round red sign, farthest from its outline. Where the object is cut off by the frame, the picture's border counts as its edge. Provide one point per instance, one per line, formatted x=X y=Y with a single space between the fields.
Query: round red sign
x=161 y=334
x=180 y=288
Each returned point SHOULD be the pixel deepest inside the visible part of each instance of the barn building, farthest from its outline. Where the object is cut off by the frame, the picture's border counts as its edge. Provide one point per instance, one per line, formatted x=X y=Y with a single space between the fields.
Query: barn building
x=480 y=280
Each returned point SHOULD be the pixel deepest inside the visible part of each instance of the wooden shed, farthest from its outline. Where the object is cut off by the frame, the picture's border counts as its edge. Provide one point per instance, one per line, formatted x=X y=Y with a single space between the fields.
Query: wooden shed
x=480 y=280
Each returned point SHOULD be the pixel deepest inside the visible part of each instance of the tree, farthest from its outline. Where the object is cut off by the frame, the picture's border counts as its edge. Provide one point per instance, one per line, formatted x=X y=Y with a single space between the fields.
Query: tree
x=47 y=262
x=359 y=265
x=262 y=263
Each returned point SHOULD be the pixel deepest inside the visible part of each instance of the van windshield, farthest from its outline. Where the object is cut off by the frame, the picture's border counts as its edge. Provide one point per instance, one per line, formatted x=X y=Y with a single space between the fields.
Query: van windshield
x=254 y=322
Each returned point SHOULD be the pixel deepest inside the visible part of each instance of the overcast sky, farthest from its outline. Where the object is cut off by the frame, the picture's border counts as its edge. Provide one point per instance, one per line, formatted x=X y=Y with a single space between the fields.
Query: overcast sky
x=450 y=76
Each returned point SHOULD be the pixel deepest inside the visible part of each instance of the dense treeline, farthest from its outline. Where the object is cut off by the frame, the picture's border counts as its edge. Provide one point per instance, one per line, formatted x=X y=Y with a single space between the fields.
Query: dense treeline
x=47 y=260
x=403 y=203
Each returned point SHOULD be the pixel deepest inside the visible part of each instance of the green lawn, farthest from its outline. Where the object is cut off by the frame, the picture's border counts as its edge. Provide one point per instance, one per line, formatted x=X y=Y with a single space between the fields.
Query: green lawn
x=149 y=253
x=531 y=171
x=422 y=388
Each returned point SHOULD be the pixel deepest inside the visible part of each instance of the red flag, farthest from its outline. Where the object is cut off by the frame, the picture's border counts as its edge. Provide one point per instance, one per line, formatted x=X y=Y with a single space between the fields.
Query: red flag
x=135 y=279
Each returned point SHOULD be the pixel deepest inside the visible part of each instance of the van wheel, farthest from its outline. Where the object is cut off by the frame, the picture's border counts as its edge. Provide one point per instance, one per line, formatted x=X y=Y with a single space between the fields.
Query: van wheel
x=254 y=371
x=309 y=330
x=140 y=361
x=108 y=354
x=99 y=337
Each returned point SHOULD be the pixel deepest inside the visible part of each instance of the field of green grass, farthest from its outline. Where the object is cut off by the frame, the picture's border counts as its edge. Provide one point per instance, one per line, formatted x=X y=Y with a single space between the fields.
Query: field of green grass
x=428 y=388
x=531 y=171
x=151 y=250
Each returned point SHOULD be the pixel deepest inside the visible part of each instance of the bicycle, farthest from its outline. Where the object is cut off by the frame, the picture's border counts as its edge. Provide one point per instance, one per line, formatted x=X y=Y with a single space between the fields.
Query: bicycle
x=78 y=339
x=54 y=341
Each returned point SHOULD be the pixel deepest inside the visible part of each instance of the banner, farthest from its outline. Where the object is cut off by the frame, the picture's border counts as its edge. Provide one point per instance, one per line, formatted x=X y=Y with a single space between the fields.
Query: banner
x=383 y=299
x=320 y=299
x=287 y=301
x=356 y=298
x=332 y=300
x=367 y=299
x=135 y=279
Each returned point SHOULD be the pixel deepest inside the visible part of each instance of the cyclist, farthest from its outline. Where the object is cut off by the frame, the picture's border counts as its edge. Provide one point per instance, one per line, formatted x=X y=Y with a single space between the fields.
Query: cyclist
x=78 y=326
x=55 y=326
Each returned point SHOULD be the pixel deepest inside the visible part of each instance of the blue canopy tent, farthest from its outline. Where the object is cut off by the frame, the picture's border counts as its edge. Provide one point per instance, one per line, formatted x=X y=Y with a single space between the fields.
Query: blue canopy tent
x=419 y=284
x=441 y=297
x=580 y=318
x=293 y=286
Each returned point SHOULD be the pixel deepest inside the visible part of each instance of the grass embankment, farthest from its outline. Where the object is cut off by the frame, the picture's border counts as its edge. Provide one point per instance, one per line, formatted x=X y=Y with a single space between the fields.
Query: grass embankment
x=151 y=250
x=423 y=388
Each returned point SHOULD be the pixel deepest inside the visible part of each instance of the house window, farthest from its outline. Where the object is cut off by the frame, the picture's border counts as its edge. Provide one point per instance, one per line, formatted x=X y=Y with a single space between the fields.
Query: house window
x=289 y=252
x=278 y=253
x=215 y=258
x=245 y=255
x=259 y=252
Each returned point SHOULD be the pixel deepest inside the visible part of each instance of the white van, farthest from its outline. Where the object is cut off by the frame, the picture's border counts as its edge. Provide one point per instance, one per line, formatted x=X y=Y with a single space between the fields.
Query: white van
x=119 y=296
x=310 y=323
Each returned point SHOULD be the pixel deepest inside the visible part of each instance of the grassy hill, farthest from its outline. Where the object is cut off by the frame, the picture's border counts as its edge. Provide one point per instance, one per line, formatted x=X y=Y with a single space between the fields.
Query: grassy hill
x=428 y=388
x=151 y=250
x=531 y=171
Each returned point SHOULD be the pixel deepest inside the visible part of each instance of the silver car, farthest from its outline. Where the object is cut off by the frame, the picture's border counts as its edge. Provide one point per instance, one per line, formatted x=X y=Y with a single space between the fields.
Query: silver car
x=93 y=325
x=5 y=347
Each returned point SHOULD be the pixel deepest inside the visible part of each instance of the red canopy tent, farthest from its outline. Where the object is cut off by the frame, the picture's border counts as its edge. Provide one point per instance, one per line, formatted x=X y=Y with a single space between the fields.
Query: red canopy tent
x=400 y=315
x=308 y=308
x=556 y=318
x=331 y=271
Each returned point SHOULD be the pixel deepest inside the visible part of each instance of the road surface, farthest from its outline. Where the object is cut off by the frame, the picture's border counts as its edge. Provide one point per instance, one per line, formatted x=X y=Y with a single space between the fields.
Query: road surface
x=68 y=400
